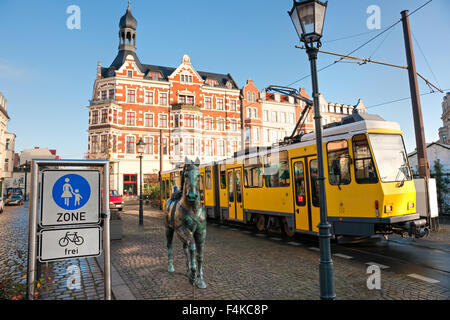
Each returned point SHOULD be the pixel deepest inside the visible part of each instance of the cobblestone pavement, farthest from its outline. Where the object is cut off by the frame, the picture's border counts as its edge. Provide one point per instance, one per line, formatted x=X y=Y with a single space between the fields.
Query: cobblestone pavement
x=13 y=263
x=239 y=264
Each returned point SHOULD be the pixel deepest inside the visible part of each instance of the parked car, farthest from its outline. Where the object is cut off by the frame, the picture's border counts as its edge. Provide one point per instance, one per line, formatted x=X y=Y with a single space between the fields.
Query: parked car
x=115 y=200
x=14 y=199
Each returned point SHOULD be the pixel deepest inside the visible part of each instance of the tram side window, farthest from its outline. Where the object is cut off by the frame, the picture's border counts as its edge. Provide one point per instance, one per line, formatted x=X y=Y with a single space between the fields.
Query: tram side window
x=315 y=189
x=299 y=176
x=208 y=178
x=276 y=170
x=364 y=167
x=338 y=162
x=230 y=187
x=202 y=192
x=238 y=186
x=223 y=177
x=253 y=173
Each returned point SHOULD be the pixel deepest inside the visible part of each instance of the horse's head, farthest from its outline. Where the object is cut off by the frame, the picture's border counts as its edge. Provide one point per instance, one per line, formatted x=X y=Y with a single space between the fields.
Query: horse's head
x=191 y=189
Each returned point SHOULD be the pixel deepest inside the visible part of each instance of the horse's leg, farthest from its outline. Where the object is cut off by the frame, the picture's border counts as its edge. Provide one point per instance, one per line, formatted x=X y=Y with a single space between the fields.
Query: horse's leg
x=187 y=237
x=200 y=237
x=188 y=260
x=169 y=237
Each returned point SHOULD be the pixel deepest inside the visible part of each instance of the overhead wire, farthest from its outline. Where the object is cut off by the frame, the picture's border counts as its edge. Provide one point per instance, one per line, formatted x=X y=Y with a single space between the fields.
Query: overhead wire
x=402 y=99
x=361 y=46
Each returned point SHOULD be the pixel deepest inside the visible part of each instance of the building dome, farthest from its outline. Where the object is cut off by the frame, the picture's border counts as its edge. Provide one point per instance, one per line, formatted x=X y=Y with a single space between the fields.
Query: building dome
x=127 y=20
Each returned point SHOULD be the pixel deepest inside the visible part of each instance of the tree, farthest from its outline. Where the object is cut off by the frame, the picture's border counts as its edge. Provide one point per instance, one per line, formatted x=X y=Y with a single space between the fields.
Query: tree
x=442 y=186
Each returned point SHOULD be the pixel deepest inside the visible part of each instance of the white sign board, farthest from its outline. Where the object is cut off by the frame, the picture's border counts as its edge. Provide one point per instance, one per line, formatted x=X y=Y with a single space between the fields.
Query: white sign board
x=70 y=243
x=70 y=197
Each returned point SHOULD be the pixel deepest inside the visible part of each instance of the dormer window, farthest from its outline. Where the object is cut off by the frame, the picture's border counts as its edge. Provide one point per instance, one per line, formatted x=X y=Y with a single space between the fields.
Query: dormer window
x=130 y=73
x=229 y=85
x=155 y=75
x=211 y=82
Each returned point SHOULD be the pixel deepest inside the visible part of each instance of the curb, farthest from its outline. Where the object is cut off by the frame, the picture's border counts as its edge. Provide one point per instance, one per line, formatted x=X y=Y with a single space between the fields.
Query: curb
x=119 y=288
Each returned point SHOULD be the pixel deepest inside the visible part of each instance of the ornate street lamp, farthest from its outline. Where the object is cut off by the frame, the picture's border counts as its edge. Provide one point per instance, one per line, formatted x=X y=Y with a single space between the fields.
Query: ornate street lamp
x=140 y=149
x=308 y=19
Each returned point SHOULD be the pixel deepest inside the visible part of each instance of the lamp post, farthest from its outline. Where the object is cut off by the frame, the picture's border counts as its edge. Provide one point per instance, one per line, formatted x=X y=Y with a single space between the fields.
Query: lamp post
x=140 y=149
x=308 y=18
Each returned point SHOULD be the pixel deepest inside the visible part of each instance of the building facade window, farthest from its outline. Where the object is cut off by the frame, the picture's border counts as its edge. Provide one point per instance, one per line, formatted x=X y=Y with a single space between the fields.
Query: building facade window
x=131 y=118
x=94 y=117
x=130 y=184
x=189 y=121
x=104 y=95
x=232 y=105
x=130 y=74
x=186 y=78
x=265 y=115
x=148 y=97
x=208 y=103
x=112 y=94
x=209 y=148
x=163 y=120
x=163 y=99
x=130 y=143
x=165 y=147
x=189 y=144
x=94 y=144
x=104 y=115
x=114 y=144
x=220 y=148
x=104 y=143
x=220 y=124
x=208 y=124
x=176 y=147
x=219 y=104
x=131 y=96
x=148 y=145
x=148 y=119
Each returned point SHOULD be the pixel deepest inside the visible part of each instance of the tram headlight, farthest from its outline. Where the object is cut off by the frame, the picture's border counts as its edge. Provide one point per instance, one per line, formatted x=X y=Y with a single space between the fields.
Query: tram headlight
x=410 y=205
x=388 y=208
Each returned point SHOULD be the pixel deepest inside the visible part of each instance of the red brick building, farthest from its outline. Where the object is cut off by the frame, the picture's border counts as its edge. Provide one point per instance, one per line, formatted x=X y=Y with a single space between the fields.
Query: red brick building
x=189 y=112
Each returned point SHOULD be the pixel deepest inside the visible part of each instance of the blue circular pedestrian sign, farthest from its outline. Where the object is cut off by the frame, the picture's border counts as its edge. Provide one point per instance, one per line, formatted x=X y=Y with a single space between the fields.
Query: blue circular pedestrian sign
x=71 y=192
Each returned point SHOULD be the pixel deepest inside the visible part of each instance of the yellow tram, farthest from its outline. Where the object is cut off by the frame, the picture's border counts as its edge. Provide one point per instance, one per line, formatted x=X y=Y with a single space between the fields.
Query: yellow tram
x=368 y=183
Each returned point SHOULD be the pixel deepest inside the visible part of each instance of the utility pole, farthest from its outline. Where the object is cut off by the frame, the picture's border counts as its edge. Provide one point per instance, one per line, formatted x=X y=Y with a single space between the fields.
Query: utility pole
x=422 y=157
x=160 y=165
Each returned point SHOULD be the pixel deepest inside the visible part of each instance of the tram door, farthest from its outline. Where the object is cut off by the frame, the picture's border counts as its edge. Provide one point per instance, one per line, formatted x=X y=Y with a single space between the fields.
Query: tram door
x=301 y=206
x=306 y=193
x=234 y=193
x=314 y=189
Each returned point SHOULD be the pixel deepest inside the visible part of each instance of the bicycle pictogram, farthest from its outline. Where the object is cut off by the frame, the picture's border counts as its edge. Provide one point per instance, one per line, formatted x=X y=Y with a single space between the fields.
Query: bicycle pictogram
x=71 y=237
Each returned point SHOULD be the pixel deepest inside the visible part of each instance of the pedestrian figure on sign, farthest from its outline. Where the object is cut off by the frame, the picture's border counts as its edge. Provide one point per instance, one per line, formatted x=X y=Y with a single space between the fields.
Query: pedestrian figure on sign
x=67 y=192
x=77 y=196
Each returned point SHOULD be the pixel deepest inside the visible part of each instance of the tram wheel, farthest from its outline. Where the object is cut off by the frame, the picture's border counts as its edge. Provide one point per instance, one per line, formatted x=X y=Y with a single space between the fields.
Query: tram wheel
x=288 y=231
x=260 y=222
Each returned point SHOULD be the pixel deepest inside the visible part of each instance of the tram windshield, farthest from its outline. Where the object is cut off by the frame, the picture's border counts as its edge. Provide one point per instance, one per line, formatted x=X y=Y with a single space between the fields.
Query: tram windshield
x=390 y=156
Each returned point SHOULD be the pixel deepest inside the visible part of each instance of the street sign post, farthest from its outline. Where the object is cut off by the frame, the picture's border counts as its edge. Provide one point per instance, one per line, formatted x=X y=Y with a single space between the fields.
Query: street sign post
x=69 y=224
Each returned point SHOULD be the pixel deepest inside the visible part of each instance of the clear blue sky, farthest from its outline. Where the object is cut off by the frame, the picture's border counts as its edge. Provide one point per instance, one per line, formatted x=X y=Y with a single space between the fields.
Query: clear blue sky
x=47 y=71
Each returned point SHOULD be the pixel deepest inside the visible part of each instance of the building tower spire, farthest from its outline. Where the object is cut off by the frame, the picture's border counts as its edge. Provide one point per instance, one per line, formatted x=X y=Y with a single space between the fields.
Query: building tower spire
x=127 y=33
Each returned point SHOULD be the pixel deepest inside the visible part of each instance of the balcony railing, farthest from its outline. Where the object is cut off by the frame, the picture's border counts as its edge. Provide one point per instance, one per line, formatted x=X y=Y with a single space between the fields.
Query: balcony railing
x=105 y=101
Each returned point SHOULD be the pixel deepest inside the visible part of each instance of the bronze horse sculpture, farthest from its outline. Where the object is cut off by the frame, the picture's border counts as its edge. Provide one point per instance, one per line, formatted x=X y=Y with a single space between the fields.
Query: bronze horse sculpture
x=185 y=215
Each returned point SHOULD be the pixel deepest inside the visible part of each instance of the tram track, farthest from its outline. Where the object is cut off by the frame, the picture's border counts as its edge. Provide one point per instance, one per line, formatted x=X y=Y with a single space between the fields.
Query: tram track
x=411 y=260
